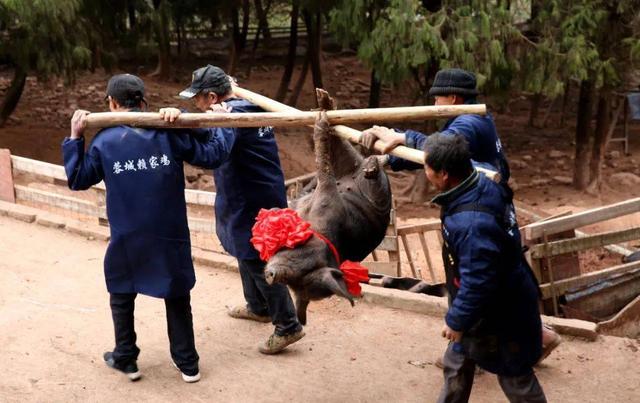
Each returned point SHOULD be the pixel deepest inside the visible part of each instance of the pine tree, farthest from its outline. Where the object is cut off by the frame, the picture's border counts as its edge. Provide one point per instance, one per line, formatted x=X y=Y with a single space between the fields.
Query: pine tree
x=39 y=37
x=594 y=42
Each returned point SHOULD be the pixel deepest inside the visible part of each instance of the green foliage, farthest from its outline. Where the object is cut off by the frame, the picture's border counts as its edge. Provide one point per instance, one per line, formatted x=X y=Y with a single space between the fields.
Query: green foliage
x=41 y=36
x=399 y=37
x=580 y=39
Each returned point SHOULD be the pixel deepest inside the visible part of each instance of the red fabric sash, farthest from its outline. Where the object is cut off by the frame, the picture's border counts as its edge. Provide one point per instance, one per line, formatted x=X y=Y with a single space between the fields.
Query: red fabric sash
x=354 y=273
x=278 y=228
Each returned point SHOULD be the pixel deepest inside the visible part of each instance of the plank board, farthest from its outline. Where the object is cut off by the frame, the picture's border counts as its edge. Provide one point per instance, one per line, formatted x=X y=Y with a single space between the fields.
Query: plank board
x=564 y=285
x=433 y=225
x=388 y=268
x=578 y=244
x=587 y=217
x=202 y=225
x=389 y=243
x=24 y=193
x=26 y=165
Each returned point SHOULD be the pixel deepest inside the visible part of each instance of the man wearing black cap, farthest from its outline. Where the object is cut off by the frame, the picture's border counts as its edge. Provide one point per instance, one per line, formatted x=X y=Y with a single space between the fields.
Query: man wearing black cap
x=149 y=252
x=450 y=87
x=455 y=87
x=248 y=180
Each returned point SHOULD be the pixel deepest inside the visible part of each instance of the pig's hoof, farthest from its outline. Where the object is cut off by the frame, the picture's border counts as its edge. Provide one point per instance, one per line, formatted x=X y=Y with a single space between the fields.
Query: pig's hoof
x=371 y=168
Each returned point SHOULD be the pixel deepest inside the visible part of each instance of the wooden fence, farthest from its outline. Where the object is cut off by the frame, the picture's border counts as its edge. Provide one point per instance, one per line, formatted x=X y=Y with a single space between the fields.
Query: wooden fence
x=542 y=250
x=52 y=173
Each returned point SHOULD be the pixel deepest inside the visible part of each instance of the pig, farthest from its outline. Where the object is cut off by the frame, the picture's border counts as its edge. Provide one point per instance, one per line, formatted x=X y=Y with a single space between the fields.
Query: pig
x=349 y=206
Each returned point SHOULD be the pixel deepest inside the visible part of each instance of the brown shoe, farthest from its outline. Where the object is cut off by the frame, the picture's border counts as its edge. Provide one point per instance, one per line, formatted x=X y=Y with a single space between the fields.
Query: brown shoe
x=242 y=312
x=550 y=346
x=275 y=343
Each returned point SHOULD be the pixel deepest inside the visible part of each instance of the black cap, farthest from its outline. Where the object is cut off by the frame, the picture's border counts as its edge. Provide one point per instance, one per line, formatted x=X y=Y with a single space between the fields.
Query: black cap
x=208 y=77
x=454 y=82
x=126 y=89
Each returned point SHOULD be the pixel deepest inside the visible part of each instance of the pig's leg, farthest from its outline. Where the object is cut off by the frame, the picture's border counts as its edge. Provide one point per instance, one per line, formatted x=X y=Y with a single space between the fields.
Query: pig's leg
x=326 y=177
x=345 y=159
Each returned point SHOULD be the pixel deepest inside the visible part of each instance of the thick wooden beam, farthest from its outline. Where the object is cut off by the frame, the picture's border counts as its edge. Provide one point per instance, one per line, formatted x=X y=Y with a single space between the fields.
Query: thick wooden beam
x=587 y=242
x=566 y=284
x=345 y=132
x=587 y=217
x=282 y=119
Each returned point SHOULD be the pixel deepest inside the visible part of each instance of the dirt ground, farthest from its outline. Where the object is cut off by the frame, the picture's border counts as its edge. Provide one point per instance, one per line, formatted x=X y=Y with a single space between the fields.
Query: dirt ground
x=56 y=323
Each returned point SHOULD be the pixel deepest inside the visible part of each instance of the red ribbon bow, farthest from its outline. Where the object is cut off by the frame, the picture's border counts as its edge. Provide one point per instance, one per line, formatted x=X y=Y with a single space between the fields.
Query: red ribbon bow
x=279 y=228
x=276 y=229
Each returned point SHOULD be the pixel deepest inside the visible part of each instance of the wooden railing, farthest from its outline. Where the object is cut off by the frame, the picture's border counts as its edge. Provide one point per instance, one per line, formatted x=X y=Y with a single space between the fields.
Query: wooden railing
x=542 y=250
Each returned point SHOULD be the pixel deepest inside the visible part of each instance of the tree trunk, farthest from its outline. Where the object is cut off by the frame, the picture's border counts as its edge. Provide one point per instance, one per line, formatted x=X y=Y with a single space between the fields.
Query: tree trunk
x=263 y=29
x=565 y=102
x=131 y=11
x=96 y=56
x=536 y=100
x=262 y=18
x=235 y=40
x=374 y=90
x=161 y=29
x=13 y=94
x=601 y=138
x=300 y=83
x=238 y=35
x=583 y=135
x=246 y=15
x=314 y=33
x=291 y=55
x=179 y=36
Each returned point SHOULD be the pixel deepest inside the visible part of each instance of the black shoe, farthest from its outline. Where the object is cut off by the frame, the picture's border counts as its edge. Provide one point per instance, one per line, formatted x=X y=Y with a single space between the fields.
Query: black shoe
x=187 y=378
x=130 y=369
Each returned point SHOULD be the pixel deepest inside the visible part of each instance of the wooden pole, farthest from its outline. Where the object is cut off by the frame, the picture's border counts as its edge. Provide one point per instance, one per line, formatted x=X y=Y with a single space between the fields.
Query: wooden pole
x=281 y=118
x=348 y=133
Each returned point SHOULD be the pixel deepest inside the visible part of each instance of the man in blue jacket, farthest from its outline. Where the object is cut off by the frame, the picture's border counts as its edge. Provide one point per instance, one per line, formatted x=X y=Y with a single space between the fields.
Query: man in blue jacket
x=450 y=87
x=493 y=319
x=456 y=87
x=249 y=179
x=150 y=250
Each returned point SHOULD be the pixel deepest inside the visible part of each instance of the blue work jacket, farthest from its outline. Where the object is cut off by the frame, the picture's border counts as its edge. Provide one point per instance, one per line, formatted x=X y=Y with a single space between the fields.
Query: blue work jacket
x=150 y=250
x=250 y=178
x=493 y=293
x=479 y=131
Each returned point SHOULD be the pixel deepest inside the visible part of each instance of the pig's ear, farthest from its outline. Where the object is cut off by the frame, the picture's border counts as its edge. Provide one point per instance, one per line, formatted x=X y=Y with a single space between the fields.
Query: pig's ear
x=333 y=280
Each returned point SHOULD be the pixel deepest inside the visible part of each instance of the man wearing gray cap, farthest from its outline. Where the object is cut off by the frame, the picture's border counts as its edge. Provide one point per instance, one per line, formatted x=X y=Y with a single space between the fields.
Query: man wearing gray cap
x=248 y=180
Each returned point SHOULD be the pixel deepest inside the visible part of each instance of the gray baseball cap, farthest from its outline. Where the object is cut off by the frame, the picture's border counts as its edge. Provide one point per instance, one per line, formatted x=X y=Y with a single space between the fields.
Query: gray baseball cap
x=207 y=77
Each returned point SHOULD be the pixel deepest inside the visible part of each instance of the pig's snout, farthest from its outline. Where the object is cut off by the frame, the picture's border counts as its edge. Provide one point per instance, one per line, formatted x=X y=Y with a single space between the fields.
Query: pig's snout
x=270 y=275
